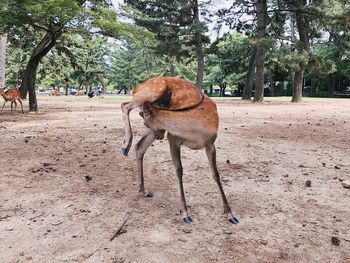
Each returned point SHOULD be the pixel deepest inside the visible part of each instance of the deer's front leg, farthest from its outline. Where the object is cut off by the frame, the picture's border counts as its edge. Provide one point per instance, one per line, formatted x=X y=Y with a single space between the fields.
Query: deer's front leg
x=175 y=146
x=140 y=149
x=211 y=154
x=3 y=105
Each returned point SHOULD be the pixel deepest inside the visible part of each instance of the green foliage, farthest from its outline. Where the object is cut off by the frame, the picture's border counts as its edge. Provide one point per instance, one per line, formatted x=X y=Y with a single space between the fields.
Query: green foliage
x=163 y=34
x=132 y=64
x=55 y=70
x=40 y=14
x=16 y=59
x=77 y=62
x=284 y=58
x=89 y=57
x=334 y=12
x=230 y=61
x=172 y=23
x=323 y=60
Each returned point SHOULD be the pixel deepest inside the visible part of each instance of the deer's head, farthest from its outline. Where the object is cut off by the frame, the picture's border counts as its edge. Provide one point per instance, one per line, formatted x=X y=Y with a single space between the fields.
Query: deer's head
x=150 y=120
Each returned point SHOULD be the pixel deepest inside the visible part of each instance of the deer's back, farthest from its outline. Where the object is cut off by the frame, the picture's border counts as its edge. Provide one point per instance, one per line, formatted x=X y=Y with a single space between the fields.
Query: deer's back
x=13 y=93
x=183 y=94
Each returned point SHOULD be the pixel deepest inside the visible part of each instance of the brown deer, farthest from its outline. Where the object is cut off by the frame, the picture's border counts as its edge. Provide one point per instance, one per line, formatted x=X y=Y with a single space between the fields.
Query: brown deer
x=190 y=118
x=55 y=92
x=80 y=93
x=10 y=95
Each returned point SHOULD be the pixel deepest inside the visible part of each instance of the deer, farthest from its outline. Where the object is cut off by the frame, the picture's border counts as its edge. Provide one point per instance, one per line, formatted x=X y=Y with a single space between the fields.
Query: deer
x=10 y=95
x=55 y=92
x=189 y=118
x=80 y=93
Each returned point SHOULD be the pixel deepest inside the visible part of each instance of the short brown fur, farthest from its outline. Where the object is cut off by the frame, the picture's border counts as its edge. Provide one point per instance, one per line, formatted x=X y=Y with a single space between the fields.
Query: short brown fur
x=190 y=119
x=11 y=95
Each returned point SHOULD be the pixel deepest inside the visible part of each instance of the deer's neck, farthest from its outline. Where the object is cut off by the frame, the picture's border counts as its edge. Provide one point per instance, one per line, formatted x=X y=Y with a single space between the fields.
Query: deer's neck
x=5 y=96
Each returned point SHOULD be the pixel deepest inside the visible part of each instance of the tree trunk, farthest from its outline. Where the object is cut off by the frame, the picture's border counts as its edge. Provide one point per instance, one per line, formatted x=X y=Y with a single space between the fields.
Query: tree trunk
x=249 y=81
x=29 y=78
x=199 y=48
x=211 y=89
x=331 y=84
x=261 y=8
x=259 y=86
x=171 y=70
x=293 y=38
x=292 y=80
x=103 y=85
x=302 y=26
x=28 y=85
x=3 y=42
x=66 y=89
x=272 y=84
x=298 y=84
x=222 y=89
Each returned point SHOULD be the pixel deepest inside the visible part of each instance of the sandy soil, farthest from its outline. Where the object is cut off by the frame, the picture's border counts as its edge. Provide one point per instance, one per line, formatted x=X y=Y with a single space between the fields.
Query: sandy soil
x=51 y=212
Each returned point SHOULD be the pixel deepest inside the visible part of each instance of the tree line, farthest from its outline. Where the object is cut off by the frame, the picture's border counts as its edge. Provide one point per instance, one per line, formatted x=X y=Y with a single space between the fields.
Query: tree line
x=278 y=47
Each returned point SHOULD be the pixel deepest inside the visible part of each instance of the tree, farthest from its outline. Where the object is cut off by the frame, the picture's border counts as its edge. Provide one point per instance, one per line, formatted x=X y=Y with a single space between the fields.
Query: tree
x=135 y=62
x=3 y=43
x=251 y=17
x=313 y=19
x=249 y=79
x=227 y=63
x=261 y=10
x=52 y=19
x=55 y=71
x=198 y=43
x=177 y=27
x=17 y=56
x=304 y=46
x=89 y=58
x=47 y=16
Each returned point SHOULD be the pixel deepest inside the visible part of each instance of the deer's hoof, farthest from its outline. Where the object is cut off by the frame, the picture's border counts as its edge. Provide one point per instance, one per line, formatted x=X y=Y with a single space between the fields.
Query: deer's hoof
x=233 y=220
x=187 y=219
x=149 y=194
x=125 y=151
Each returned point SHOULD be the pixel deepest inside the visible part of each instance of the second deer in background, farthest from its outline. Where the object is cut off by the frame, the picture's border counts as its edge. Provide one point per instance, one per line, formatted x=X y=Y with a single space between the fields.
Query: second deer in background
x=11 y=95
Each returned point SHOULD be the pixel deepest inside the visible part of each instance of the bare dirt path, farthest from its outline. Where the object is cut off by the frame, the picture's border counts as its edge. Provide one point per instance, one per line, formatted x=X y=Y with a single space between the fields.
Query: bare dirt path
x=65 y=188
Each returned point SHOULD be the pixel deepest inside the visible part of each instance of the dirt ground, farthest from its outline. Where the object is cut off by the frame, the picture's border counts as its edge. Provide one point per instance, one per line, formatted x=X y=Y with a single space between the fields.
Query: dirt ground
x=51 y=212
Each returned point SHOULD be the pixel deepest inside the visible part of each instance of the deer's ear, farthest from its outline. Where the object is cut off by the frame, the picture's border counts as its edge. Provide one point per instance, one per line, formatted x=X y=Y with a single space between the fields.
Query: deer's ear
x=147 y=109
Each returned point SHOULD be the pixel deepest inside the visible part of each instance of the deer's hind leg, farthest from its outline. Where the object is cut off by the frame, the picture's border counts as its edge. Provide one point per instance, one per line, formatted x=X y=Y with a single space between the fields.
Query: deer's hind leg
x=11 y=106
x=175 y=147
x=20 y=102
x=211 y=154
x=140 y=149
x=15 y=105
x=126 y=108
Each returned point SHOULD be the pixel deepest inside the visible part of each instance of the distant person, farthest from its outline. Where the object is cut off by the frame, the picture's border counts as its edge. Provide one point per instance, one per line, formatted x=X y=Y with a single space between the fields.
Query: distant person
x=99 y=92
x=91 y=94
